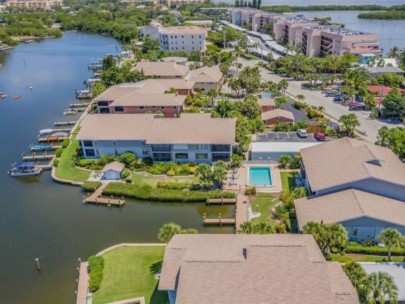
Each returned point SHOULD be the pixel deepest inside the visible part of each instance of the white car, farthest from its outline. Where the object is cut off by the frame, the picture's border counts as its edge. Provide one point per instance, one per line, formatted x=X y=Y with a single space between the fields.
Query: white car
x=302 y=133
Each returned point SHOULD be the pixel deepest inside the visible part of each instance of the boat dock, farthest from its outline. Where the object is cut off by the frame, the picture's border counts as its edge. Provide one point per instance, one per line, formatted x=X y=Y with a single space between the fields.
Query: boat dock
x=64 y=123
x=78 y=105
x=37 y=157
x=219 y=221
x=51 y=139
x=96 y=198
x=220 y=201
x=33 y=148
x=83 y=284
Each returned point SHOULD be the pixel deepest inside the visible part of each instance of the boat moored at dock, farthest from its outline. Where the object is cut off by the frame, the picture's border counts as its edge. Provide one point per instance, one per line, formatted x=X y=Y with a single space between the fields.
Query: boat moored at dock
x=83 y=94
x=35 y=148
x=70 y=112
x=25 y=169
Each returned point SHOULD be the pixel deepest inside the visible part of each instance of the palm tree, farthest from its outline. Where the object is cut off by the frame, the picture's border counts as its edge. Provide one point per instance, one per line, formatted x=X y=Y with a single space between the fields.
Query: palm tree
x=391 y=238
x=280 y=101
x=394 y=52
x=300 y=97
x=283 y=85
x=381 y=289
x=358 y=277
x=167 y=231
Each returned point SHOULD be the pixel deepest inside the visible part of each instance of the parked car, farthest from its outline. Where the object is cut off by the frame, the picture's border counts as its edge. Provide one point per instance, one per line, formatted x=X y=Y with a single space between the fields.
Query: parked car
x=356 y=106
x=302 y=133
x=320 y=136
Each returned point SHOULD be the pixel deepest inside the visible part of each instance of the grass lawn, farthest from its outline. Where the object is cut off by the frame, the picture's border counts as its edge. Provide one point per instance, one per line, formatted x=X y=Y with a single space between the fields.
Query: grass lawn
x=364 y=258
x=288 y=180
x=66 y=170
x=265 y=202
x=140 y=178
x=129 y=272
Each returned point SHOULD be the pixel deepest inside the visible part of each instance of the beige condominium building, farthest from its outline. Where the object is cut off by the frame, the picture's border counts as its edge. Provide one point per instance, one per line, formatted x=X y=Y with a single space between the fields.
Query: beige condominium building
x=323 y=40
x=182 y=38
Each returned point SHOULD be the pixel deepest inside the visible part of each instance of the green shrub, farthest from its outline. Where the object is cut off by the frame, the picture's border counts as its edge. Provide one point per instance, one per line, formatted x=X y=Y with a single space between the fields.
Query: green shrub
x=91 y=186
x=65 y=142
x=96 y=266
x=300 y=105
x=314 y=114
x=250 y=191
x=147 y=192
x=85 y=163
x=171 y=173
x=173 y=185
x=55 y=162
x=125 y=173
x=58 y=152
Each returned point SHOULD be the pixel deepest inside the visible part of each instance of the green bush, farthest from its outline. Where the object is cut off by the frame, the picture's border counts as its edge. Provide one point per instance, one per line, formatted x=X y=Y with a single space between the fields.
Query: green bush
x=96 y=266
x=314 y=114
x=55 y=162
x=300 y=105
x=250 y=191
x=357 y=248
x=91 y=186
x=85 y=163
x=147 y=192
x=173 y=185
x=65 y=143
x=125 y=173
x=58 y=152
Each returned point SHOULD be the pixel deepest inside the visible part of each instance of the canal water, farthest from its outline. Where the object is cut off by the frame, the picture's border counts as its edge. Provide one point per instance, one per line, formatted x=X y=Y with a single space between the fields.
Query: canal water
x=45 y=220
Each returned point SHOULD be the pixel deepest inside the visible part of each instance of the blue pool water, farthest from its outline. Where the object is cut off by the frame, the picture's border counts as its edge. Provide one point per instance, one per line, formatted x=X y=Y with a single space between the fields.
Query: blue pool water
x=260 y=176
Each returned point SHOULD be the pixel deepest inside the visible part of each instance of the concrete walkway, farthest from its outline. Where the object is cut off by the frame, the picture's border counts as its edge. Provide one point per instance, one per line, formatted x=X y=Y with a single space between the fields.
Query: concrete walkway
x=83 y=285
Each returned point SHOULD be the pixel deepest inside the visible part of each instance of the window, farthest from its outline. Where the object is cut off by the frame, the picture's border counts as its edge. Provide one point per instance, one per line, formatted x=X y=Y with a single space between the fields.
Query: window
x=114 y=143
x=162 y=157
x=119 y=109
x=355 y=231
x=87 y=143
x=143 y=142
x=161 y=148
x=221 y=148
x=90 y=152
x=102 y=103
x=181 y=155
x=162 y=107
x=201 y=155
x=220 y=156
x=95 y=143
x=153 y=107
x=145 y=152
x=174 y=107
x=141 y=107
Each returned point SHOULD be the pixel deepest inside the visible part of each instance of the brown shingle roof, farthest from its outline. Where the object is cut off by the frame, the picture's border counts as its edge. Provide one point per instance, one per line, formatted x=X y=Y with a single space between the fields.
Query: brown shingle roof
x=252 y=269
x=347 y=160
x=162 y=69
x=277 y=113
x=266 y=102
x=349 y=204
x=188 y=129
x=206 y=74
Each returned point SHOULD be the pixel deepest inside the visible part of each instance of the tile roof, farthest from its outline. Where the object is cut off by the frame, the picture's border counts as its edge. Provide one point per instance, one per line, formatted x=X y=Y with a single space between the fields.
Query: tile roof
x=206 y=74
x=162 y=69
x=188 y=129
x=277 y=113
x=266 y=102
x=252 y=269
x=349 y=204
x=347 y=160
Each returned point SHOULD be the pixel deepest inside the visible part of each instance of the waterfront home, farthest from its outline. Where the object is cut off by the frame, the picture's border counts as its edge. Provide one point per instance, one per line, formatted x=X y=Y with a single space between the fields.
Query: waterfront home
x=364 y=215
x=190 y=138
x=149 y=96
x=229 y=268
x=162 y=70
x=350 y=163
x=277 y=115
x=377 y=71
x=206 y=78
x=182 y=38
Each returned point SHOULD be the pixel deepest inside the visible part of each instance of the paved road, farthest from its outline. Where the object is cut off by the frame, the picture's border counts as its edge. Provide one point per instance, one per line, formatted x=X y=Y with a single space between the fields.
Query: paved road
x=334 y=110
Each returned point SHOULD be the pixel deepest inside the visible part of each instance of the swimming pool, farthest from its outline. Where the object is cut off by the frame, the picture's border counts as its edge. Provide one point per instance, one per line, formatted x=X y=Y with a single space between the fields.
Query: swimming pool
x=260 y=176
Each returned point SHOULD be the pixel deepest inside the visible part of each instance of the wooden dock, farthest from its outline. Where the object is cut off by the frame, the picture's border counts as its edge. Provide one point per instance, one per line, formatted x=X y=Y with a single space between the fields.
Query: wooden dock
x=37 y=157
x=78 y=105
x=219 y=221
x=64 y=123
x=96 y=198
x=83 y=284
x=51 y=139
x=220 y=201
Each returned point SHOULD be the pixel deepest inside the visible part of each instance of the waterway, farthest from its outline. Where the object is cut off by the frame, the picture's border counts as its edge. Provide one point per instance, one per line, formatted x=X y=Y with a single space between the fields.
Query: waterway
x=45 y=220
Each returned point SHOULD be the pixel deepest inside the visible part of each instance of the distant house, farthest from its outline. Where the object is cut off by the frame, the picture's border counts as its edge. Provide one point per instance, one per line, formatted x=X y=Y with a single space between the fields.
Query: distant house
x=350 y=163
x=277 y=115
x=376 y=71
x=162 y=70
x=206 y=78
x=112 y=171
x=149 y=96
x=266 y=104
x=190 y=138
x=364 y=215
x=238 y=268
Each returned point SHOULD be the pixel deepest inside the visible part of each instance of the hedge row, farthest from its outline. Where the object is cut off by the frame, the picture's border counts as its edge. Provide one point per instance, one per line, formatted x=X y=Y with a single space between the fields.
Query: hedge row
x=96 y=266
x=91 y=186
x=173 y=185
x=373 y=250
x=149 y=193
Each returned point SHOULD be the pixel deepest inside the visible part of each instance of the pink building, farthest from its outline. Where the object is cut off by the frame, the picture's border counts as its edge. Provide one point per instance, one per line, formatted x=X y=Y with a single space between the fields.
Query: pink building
x=323 y=40
x=290 y=29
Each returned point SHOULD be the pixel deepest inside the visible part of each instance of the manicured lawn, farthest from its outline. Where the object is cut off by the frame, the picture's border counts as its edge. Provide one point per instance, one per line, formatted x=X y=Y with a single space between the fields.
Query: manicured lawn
x=129 y=272
x=364 y=258
x=265 y=202
x=66 y=170
x=288 y=180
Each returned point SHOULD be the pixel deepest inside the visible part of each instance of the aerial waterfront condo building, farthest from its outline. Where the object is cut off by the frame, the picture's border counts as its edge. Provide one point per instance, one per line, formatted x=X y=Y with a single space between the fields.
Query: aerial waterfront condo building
x=41 y=4
x=182 y=38
x=308 y=35
x=190 y=138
